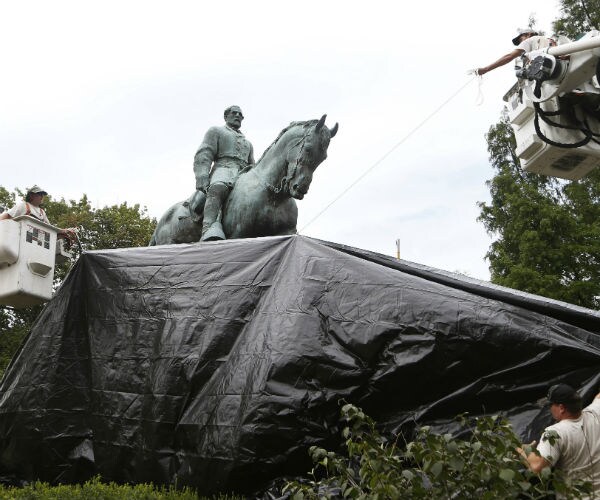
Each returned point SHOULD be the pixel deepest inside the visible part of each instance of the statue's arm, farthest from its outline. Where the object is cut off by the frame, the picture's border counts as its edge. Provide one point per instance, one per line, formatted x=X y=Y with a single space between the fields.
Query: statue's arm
x=251 y=161
x=206 y=154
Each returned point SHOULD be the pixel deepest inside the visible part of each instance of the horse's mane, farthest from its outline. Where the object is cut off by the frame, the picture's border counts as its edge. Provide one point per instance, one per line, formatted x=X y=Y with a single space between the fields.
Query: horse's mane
x=306 y=124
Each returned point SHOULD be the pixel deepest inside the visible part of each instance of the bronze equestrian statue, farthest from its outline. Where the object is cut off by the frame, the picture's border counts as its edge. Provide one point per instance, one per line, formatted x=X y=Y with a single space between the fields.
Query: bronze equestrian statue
x=262 y=199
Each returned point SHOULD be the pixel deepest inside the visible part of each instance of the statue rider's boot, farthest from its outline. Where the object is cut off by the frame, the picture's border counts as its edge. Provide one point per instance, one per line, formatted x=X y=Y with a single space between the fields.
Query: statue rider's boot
x=212 y=232
x=211 y=227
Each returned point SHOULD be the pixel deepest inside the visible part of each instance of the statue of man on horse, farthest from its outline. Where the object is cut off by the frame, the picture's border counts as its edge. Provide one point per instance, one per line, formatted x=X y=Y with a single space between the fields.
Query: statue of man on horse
x=228 y=152
x=252 y=200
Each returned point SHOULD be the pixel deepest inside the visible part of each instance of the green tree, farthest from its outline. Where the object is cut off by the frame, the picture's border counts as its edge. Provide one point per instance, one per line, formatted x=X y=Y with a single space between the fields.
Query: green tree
x=547 y=230
x=577 y=17
x=116 y=226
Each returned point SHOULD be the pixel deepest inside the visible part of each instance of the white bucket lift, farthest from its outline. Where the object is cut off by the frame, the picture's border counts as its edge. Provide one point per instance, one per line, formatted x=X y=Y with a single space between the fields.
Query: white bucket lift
x=554 y=110
x=29 y=249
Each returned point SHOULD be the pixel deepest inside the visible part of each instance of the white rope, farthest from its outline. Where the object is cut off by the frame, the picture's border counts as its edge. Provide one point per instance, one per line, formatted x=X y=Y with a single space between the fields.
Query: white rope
x=396 y=146
x=479 y=99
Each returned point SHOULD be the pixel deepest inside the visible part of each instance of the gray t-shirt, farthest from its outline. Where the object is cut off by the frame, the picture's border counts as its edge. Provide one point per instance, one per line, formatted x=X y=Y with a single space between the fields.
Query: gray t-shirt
x=577 y=449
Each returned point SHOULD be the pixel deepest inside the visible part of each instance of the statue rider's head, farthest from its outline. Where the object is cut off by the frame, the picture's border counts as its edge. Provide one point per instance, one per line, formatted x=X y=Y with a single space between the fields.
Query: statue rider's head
x=233 y=117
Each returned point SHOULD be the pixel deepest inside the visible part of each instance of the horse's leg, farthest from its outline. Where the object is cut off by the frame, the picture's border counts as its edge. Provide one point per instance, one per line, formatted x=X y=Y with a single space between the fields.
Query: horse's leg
x=243 y=210
x=281 y=219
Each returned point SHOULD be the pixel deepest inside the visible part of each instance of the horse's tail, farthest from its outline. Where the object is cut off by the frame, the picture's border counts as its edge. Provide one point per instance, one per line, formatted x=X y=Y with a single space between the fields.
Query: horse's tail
x=154 y=239
x=168 y=229
x=158 y=235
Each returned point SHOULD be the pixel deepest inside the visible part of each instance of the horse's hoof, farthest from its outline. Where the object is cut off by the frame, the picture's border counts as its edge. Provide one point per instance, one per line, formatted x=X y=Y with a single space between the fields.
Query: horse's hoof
x=214 y=233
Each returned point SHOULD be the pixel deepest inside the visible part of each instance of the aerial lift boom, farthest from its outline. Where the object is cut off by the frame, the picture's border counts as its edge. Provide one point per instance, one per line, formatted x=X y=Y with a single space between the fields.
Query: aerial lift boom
x=554 y=109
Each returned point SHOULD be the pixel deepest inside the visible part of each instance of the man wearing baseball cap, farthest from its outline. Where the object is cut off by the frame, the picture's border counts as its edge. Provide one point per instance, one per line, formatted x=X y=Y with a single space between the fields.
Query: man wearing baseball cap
x=526 y=41
x=573 y=443
x=31 y=206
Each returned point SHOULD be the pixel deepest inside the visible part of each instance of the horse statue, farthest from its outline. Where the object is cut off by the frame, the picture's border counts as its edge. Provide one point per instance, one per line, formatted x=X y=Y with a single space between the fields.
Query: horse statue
x=263 y=199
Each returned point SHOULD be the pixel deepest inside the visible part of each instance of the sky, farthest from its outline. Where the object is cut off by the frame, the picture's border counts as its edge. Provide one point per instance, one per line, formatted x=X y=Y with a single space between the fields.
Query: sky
x=113 y=98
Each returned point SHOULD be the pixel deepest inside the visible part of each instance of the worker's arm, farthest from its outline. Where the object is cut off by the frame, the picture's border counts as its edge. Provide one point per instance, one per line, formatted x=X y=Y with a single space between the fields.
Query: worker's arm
x=534 y=461
x=501 y=62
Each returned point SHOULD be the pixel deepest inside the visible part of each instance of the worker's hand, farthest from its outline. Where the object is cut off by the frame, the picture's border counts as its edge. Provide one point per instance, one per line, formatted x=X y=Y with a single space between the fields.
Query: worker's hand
x=477 y=72
x=526 y=449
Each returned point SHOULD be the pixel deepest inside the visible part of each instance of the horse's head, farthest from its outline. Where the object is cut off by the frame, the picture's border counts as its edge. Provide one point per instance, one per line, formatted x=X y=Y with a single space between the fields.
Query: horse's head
x=306 y=155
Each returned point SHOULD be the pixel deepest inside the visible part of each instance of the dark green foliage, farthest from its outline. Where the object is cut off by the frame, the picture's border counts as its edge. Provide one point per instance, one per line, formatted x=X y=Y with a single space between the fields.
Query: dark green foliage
x=96 y=490
x=484 y=466
x=547 y=231
x=117 y=226
x=577 y=17
x=10 y=339
x=7 y=199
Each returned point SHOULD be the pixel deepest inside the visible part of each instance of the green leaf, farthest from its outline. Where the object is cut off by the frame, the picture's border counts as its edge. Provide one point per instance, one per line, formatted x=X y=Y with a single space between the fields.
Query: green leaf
x=348 y=492
x=507 y=474
x=456 y=463
x=408 y=475
x=524 y=485
x=436 y=469
x=452 y=447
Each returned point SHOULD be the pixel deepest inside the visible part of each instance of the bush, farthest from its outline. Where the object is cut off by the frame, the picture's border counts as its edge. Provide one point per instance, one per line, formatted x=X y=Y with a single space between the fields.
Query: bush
x=485 y=466
x=96 y=490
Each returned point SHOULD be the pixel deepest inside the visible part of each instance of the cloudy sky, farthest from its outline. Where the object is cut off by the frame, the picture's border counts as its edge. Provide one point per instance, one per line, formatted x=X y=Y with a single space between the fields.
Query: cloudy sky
x=112 y=99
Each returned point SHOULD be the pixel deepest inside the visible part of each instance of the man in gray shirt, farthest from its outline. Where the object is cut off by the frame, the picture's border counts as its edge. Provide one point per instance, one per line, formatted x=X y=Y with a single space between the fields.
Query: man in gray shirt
x=573 y=443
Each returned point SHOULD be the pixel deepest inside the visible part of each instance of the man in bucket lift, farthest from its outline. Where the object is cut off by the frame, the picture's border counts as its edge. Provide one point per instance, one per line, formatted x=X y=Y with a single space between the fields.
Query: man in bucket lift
x=32 y=206
x=526 y=41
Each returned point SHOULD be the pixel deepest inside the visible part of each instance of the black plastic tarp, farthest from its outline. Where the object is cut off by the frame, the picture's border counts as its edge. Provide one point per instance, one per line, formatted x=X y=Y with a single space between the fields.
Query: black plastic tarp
x=217 y=365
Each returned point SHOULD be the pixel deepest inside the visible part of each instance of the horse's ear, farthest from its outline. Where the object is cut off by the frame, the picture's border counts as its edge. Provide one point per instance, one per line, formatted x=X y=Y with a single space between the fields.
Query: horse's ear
x=321 y=123
x=333 y=131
